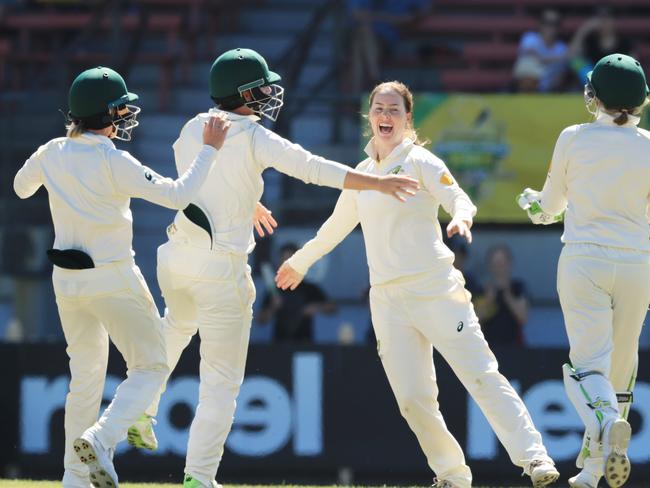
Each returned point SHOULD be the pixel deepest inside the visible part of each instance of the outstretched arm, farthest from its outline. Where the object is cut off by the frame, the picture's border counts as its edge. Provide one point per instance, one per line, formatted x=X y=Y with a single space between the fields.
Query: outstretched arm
x=133 y=179
x=271 y=150
x=399 y=187
x=343 y=220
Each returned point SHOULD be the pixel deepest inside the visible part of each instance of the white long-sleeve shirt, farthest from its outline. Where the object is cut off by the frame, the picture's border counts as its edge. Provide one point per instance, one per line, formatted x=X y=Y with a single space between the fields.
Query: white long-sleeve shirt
x=235 y=186
x=600 y=173
x=90 y=183
x=401 y=238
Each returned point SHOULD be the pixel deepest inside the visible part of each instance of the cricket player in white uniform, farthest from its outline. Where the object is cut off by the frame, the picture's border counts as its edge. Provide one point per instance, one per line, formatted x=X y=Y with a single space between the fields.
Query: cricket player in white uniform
x=600 y=179
x=202 y=269
x=418 y=299
x=100 y=291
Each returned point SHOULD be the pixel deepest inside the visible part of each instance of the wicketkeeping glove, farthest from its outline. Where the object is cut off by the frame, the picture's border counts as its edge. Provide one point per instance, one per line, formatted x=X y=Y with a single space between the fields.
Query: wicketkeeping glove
x=529 y=200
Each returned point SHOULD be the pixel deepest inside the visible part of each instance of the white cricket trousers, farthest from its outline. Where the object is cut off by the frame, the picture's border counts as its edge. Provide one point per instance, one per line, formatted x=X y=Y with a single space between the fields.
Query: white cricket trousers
x=605 y=294
x=214 y=293
x=94 y=304
x=414 y=314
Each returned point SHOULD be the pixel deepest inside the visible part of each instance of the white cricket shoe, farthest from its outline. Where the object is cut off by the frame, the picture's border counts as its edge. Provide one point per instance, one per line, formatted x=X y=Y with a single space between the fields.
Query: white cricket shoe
x=589 y=476
x=542 y=473
x=141 y=434
x=74 y=480
x=98 y=459
x=584 y=480
x=615 y=441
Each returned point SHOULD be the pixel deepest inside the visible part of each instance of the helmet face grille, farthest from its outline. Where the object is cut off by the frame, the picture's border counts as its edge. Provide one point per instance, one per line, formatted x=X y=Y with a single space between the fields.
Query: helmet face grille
x=266 y=101
x=124 y=121
x=590 y=99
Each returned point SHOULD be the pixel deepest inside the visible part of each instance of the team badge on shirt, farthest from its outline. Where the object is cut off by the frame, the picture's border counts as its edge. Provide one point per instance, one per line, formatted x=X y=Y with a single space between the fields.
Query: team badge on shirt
x=396 y=170
x=446 y=179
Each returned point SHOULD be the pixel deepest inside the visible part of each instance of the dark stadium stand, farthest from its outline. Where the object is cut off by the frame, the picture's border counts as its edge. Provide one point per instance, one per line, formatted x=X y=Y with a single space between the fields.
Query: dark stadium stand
x=521 y=6
x=35 y=32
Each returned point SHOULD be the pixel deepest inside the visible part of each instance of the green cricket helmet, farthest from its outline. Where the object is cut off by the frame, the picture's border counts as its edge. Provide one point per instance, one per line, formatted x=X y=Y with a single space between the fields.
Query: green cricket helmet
x=618 y=81
x=242 y=77
x=98 y=98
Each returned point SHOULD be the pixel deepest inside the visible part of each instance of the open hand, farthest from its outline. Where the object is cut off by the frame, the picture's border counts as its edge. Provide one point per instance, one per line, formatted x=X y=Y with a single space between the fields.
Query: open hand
x=398 y=186
x=461 y=227
x=262 y=219
x=287 y=277
x=215 y=130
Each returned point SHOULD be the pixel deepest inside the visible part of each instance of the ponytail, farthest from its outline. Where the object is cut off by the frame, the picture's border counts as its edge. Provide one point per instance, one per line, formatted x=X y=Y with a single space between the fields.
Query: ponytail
x=622 y=118
x=622 y=115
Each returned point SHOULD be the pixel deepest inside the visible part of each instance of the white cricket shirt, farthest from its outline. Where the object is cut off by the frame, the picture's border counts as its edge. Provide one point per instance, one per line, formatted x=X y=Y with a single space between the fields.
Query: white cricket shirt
x=235 y=185
x=401 y=238
x=600 y=172
x=89 y=184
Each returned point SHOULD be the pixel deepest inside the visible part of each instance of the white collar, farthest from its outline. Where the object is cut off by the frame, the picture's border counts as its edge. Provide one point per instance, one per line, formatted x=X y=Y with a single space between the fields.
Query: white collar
x=607 y=119
x=405 y=145
x=232 y=115
x=91 y=138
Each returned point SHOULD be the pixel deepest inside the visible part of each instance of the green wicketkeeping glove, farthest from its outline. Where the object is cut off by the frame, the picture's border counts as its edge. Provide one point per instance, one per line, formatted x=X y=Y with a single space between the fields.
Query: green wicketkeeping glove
x=529 y=200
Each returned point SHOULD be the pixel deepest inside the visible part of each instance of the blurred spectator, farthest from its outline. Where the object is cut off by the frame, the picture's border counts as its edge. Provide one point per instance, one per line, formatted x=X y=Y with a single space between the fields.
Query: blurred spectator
x=527 y=73
x=293 y=311
x=375 y=30
x=19 y=262
x=545 y=46
x=503 y=307
x=460 y=249
x=596 y=38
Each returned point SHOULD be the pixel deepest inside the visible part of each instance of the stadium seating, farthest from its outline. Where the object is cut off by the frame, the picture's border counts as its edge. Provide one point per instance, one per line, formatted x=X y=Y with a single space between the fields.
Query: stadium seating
x=41 y=37
x=484 y=35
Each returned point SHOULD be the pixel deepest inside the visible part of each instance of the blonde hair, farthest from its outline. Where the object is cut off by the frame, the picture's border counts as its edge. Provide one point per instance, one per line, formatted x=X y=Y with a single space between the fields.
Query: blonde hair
x=74 y=129
x=407 y=97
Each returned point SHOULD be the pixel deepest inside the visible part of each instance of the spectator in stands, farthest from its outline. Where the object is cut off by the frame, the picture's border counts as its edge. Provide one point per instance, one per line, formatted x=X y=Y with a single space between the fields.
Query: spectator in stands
x=293 y=311
x=375 y=30
x=527 y=73
x=503 y=306
x=545 y=46
x=595 y=39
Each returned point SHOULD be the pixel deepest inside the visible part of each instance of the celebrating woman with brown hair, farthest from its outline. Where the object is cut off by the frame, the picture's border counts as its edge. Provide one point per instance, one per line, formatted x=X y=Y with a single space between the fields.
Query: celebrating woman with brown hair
x=418 y=299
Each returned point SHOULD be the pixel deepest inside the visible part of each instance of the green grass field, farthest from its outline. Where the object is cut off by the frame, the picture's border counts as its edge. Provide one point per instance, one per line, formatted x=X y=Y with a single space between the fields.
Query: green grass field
x=57 y=484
